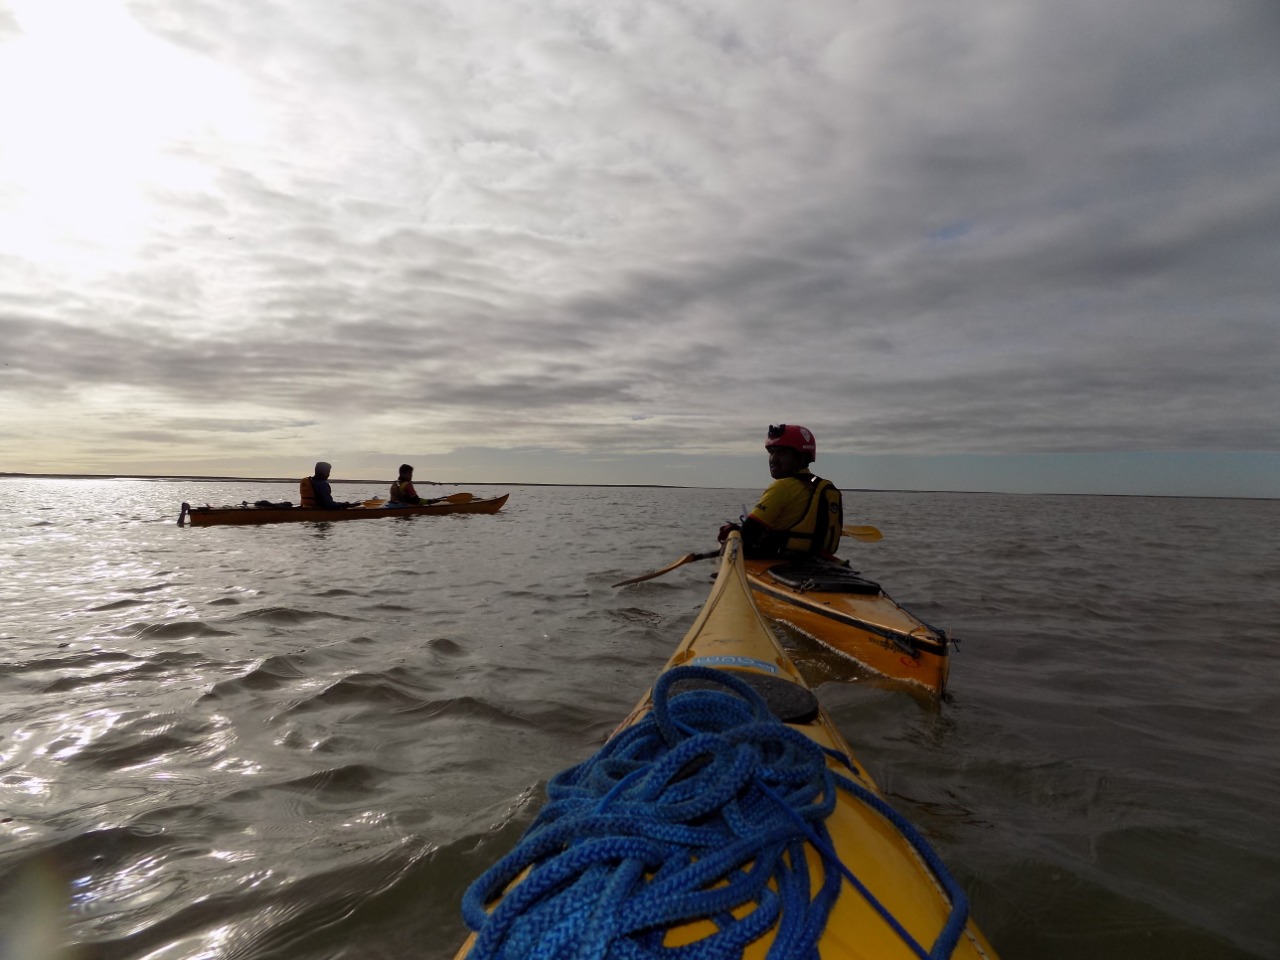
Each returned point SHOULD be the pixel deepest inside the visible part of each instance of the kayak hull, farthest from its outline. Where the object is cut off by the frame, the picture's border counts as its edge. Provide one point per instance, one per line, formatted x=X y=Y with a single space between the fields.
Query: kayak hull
x=854 y=618
x=243 y=516
x=730 y=635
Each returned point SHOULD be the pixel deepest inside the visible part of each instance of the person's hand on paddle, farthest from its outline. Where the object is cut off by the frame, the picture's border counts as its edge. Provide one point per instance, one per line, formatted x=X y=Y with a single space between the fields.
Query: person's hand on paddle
x=726 y=529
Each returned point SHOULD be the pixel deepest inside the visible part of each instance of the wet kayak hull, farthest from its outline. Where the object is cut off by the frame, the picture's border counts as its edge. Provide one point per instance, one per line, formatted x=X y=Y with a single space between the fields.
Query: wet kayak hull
x=244 y=516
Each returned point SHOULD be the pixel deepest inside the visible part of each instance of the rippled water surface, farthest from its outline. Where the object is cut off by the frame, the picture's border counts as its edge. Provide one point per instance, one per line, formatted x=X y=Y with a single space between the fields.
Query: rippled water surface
x=304 y=740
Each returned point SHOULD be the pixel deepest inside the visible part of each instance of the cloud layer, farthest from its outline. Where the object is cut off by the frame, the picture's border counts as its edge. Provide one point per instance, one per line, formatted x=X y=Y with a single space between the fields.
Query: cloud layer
x=259 y=229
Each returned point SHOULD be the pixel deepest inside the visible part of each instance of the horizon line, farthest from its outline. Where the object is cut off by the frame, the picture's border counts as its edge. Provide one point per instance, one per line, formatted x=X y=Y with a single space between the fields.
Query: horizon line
x=173 y=478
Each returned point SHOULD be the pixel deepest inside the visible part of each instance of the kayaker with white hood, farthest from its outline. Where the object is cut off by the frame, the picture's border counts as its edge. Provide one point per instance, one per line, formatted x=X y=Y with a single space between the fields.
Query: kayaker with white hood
x=316 y=492
x=799 y=514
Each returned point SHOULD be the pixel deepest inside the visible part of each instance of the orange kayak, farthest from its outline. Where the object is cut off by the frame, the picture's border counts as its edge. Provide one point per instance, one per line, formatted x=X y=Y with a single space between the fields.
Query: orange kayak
x=219 y=516
x=854 y=617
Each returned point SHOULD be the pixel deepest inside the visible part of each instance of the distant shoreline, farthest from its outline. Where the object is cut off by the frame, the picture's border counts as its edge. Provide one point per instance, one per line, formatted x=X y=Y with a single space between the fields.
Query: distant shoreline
x=172 y=478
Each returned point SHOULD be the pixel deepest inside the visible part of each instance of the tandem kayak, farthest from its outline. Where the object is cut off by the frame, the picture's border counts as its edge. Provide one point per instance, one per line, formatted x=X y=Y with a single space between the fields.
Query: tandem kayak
x=247 y=514
x=726 y=816
x=853 y=616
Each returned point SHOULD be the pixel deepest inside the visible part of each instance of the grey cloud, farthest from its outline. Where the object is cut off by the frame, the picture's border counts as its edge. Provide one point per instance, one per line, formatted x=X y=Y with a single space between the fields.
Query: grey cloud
x=1021 y=229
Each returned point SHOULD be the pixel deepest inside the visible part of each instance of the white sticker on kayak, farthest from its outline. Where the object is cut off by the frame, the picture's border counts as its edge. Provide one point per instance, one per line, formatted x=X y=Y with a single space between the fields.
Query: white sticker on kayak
x=749 y=662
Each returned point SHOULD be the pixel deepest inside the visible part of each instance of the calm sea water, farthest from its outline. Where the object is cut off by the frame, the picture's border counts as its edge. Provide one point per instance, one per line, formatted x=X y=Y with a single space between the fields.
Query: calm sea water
x=303 y=741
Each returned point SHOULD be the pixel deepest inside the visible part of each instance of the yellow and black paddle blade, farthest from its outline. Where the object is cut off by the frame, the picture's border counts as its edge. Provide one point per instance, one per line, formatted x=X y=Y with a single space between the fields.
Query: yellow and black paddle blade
x=869 y=534
x=687 y=558
x=453 y=498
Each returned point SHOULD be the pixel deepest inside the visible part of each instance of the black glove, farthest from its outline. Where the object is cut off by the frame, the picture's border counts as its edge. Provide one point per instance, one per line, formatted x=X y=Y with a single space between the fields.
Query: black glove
x=727 y=529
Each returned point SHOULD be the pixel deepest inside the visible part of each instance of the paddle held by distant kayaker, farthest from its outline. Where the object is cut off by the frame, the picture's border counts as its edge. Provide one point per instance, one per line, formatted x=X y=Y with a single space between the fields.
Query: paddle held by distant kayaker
x=799 y=514
x=316 y=492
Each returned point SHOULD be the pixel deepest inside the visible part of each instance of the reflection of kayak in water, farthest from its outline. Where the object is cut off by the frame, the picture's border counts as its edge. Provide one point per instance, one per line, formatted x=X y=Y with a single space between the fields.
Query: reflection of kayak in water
x=852 y=616
x=725 y=812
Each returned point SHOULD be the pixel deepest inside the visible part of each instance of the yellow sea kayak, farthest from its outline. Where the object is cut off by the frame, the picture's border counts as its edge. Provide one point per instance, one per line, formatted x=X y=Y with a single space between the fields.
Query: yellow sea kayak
x=726 y=811
x=854 y=617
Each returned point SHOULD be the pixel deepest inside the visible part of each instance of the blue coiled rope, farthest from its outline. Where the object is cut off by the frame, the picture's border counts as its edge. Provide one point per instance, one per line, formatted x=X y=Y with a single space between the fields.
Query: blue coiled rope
x=685 y=815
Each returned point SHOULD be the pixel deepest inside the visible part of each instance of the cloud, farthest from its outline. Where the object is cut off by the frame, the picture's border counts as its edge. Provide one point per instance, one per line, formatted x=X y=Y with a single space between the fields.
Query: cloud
x=630 y=228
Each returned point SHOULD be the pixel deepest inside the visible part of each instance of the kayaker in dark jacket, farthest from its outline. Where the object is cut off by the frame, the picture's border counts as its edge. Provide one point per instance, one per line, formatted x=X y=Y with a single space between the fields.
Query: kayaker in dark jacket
x=799 y=514
x=316 y=492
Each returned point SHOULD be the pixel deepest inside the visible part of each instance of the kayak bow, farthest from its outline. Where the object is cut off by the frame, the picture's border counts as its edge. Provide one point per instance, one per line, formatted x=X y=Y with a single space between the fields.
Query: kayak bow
x=852 y=616
x=725 y=815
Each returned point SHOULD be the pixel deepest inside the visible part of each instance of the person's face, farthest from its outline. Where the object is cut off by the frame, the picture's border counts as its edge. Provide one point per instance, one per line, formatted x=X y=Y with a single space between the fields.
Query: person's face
x=784 y=462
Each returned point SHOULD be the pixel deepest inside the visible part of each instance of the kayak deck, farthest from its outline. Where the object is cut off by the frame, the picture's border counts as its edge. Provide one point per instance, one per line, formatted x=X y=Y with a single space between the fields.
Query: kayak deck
x=884 y=893
x=220 y=516
x=854 y=617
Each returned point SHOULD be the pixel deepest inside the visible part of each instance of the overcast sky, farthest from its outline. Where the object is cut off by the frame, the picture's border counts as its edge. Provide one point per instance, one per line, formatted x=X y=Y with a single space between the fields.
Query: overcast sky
x=990 y=246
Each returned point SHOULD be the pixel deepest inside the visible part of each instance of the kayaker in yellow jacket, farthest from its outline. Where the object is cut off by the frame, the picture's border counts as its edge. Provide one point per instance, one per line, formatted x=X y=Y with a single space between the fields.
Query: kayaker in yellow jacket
x=316 y=492
x=402 y=490
x=799 y=514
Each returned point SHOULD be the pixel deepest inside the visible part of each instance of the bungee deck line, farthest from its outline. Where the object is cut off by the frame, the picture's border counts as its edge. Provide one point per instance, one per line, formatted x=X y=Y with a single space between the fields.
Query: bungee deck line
x=701 y=808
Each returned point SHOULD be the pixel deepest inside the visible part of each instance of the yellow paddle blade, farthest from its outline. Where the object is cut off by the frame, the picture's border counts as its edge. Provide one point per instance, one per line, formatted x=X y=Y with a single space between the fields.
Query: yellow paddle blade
x=869 y=534
x=374 y=503
x=452 y=498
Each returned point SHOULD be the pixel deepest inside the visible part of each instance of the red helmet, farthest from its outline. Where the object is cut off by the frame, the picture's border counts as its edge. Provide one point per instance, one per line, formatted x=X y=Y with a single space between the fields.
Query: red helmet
x=797 y=438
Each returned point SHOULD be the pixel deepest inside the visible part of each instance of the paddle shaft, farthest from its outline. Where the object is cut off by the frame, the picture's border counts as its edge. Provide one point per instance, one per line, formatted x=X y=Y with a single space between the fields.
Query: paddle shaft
x=452 y=498
x=865 y=533
x=687 y=558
